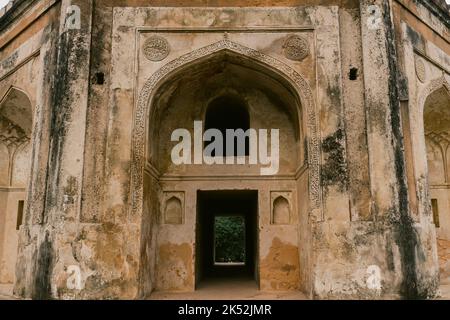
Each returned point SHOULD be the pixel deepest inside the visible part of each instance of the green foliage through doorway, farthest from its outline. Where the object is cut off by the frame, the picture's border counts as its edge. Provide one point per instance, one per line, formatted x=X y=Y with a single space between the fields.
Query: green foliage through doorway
x=229 y=233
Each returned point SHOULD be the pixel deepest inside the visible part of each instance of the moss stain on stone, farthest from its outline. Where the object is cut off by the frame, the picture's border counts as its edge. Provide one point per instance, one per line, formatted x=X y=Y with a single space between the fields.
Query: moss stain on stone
x=334 y=171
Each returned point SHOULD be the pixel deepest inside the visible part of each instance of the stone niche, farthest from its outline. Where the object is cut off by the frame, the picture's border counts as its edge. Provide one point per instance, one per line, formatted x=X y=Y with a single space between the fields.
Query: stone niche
x=281 y=207
x=172 y=207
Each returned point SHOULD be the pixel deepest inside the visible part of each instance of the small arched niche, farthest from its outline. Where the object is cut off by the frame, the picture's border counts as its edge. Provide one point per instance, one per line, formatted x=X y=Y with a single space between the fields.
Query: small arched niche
x=281 y=211
x=173 y=213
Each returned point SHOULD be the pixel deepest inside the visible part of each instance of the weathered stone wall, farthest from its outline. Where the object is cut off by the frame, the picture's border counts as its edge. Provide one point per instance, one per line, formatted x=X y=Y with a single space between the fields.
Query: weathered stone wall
x=22 y=55
x=353 y=156
x=422 y=46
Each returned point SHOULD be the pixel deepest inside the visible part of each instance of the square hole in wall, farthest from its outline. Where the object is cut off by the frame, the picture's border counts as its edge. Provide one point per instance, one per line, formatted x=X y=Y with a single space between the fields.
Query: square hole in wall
x=20 y=207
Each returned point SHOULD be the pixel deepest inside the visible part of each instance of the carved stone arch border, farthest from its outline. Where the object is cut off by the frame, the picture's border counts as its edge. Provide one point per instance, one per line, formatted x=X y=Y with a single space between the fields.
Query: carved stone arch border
x=144 y=103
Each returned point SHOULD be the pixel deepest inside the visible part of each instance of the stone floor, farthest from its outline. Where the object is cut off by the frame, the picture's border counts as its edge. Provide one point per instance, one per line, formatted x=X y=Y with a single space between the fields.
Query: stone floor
x=247 y=290
x=230 y=290
x=234 y=289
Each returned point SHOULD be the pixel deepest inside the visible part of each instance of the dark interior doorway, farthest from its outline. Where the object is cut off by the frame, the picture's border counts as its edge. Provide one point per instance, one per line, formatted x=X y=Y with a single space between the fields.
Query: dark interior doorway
x=228 y=112
x=219 y=207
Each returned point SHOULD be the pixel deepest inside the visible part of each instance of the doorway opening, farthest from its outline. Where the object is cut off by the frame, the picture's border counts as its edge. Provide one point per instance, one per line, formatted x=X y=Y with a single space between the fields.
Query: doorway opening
x=226 y=236
x=229 y=240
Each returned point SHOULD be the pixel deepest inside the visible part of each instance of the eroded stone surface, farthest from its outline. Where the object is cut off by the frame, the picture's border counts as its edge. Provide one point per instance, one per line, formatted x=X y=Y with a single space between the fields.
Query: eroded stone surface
x=359 y=207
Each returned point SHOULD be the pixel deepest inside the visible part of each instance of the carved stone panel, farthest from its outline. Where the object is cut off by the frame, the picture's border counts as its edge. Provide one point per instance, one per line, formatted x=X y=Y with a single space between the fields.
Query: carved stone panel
x=281 y=207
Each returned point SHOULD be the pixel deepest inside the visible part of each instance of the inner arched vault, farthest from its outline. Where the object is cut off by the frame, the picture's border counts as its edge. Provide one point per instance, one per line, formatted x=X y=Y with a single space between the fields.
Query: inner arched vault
x=193 y=88
x=437 y=138
x=15 y=134
x=271 y=102
x=224 y=73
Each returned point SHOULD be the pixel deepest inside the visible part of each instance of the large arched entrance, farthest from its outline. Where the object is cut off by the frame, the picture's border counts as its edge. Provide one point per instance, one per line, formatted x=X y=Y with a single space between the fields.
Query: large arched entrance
x=15 y=157
x=194 y=96
x=437 y=138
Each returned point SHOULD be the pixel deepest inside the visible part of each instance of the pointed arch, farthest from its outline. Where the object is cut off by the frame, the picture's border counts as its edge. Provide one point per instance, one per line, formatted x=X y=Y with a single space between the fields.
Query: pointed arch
x=16 y=121
x=173 y=212
x=20 y=107
x=281 y=211
x=302 y=90
x=12 y=89
x=435 y=113
x=439 y=139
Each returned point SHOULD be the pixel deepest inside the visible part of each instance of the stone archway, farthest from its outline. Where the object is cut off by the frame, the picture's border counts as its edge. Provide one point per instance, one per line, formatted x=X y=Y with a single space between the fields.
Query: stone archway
x=148 y=179
x=15 y=156
x=436 y=117
x=143 y=112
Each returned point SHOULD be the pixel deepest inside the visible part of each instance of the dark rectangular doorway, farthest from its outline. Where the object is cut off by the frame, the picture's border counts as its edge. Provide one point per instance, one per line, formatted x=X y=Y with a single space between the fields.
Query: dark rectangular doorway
x=226 y=235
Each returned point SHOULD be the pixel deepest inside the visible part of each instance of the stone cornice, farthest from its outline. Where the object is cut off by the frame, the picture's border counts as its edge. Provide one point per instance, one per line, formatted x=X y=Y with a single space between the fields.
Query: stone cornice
x=437 y=8
x=14 y=10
